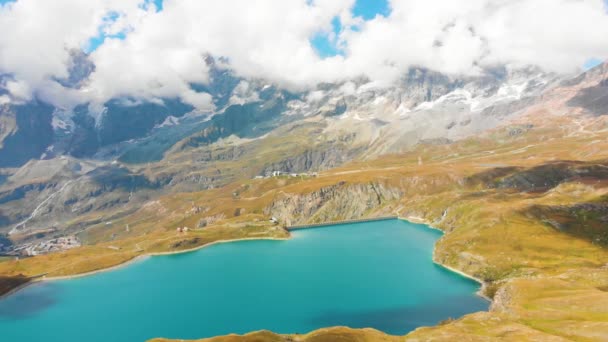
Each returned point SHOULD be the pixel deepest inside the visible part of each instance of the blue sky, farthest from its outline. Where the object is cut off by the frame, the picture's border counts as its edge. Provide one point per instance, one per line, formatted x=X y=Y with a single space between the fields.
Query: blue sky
x=322 y=43
x=99 y=39
x=592 y=62
x=367 y=9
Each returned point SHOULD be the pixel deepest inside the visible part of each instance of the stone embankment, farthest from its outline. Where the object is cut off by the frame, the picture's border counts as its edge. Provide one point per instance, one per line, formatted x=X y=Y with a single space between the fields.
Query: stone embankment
x=318 y=225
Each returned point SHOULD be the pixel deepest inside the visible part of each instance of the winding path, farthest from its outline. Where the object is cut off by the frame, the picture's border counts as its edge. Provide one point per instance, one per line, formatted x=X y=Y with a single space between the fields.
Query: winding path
x=37 y=209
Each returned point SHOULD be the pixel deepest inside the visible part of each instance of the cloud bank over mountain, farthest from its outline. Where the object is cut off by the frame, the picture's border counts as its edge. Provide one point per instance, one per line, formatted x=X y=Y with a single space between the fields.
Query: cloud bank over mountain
x=148 y=53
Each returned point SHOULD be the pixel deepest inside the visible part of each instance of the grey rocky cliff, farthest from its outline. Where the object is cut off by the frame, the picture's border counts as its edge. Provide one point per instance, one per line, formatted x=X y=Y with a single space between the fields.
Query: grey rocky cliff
x=503 y=298
x=314 y=159
x=337 y=202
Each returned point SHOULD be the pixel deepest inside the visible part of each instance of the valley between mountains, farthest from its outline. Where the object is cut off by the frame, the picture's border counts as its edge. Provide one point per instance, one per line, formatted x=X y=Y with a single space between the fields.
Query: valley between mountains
x=520 y=190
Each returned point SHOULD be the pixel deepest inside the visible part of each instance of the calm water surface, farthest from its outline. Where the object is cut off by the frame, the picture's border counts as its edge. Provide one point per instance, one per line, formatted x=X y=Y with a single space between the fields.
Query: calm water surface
x=374 y=274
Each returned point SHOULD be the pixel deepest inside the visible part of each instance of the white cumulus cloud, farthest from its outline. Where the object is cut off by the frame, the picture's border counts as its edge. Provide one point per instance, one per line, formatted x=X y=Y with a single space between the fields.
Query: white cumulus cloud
x=163 y=52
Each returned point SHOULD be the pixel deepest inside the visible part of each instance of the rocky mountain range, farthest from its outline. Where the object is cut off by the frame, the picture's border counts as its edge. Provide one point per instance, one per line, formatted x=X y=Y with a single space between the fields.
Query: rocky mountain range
x=62 y=171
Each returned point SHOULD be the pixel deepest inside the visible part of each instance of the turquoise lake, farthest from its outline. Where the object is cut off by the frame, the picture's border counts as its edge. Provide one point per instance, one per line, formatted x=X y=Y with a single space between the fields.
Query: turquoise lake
x=375 y=274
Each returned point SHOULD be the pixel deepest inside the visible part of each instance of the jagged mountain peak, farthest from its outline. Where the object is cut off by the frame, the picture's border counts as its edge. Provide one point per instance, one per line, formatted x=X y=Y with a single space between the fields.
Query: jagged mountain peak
x=80 y=68
x=345 y=106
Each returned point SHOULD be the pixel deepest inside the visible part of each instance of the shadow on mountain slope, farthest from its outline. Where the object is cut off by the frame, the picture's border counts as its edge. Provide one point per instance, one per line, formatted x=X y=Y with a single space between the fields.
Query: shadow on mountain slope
x=593 y=99
x=540 y=178
x=588 y=221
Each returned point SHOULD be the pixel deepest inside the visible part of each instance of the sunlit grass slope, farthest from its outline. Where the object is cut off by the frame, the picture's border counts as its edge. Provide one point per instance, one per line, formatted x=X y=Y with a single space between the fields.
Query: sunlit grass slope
x=523 y=210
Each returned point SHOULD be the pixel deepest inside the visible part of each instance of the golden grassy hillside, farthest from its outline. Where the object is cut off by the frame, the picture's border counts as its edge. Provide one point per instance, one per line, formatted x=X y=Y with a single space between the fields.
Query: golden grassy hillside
x=524 y=208
x=322 y=335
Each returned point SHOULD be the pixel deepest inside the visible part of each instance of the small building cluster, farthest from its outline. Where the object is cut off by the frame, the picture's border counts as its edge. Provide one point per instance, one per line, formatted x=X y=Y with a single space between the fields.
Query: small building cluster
x=182 y=229
x=53 y=245
x=272 y=174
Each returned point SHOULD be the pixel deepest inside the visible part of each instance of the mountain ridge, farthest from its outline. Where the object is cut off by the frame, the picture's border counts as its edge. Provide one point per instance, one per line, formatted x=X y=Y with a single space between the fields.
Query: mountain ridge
x=522 y=203
x=186 y=153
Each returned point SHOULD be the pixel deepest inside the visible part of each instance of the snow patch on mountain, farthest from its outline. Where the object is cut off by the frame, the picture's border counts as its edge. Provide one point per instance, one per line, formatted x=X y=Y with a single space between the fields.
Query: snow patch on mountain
x=244 y=93
x=169 y=121
x=62 y=121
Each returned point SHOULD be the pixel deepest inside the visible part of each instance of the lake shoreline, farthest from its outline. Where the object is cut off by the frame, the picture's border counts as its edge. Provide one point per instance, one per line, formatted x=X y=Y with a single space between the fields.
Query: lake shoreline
x=420 y=220
x=16 y=289
x=129 y=262
x=412 y=219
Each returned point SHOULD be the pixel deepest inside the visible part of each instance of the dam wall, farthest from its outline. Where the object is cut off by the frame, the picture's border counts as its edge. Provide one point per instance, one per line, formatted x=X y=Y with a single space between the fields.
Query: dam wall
x=334 y=223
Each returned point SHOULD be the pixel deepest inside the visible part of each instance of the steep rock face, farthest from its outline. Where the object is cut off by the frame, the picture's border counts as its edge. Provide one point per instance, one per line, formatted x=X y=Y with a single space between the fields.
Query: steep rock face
x=80 y=67
x=319 y=158
x=388 y=119
x=427 y=106
x=337 y=202
x=120 y=122
x=83 y=140
x=593 y=99
x=221 y=83
x=423 y=85
x=25 y=132
x=8 y=124
x=245 y=121
x=46 y=195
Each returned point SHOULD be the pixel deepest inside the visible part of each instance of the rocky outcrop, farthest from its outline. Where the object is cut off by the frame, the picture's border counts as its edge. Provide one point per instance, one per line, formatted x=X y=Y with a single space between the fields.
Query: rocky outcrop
x=209 y=220
x=501 y=302
x=317 y=159
x=594 y=99
x=245 y=121
x=423 y=85
x=341 y=201
x=25 y=132
x=31 y=203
